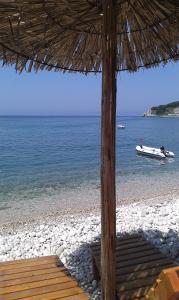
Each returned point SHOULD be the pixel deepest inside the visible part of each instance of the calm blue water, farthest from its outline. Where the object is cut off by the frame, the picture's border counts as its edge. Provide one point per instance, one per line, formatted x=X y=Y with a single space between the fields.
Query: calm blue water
x=47 y=155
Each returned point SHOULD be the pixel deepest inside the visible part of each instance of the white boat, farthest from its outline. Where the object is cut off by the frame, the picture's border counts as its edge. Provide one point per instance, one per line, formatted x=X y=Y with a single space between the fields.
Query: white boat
x=154 y=152
x=120 y=126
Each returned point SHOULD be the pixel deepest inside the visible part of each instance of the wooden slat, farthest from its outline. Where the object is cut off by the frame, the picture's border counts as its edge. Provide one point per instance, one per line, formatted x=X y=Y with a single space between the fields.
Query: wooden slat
x=132 y=245
x=75 y=297
x=146 y=266
x=139 y=260
x=33 y=285
x=136 y=249
x=134 y=294
x=29 y=279
x=28 y=268
x=133 y=285
x=139 y=274
x=29 y=260
x=31 y=273
x=129 y=237
x=123 y=250
x=123 y=264
x=130 y=240
x=127 y=257
x=123 y=242
x=67 y=288
x=26 y=263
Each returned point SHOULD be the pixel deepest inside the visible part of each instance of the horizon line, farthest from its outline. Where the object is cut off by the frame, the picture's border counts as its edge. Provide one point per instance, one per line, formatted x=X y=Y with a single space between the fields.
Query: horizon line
x=85 y=115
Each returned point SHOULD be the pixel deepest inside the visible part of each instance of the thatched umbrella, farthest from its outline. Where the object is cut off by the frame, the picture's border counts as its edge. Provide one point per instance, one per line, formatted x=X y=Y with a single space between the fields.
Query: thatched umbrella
x=92 y=36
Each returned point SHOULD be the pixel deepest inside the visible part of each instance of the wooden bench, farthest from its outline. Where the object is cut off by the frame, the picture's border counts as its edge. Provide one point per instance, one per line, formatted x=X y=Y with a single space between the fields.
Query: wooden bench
x=138 y=265
x=36 y=279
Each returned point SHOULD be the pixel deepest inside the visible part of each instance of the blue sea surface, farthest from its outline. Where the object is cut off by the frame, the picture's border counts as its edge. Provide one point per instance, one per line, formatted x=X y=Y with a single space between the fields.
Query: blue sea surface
x=47 y=156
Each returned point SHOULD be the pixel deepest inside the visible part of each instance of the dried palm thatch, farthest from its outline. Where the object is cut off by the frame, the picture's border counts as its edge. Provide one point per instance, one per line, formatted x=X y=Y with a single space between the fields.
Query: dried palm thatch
x=66 y=34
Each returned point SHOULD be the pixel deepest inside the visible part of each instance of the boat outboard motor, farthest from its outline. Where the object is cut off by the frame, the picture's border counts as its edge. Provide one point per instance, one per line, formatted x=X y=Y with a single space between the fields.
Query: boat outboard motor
x=162 y=149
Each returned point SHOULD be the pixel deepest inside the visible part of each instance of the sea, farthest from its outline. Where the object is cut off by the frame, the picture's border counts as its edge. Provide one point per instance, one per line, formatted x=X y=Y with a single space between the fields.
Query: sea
x=52 y=164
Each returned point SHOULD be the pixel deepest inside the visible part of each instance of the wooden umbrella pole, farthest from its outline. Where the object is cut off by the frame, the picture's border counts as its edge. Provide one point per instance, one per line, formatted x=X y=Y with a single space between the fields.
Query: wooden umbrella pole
x=108 y=132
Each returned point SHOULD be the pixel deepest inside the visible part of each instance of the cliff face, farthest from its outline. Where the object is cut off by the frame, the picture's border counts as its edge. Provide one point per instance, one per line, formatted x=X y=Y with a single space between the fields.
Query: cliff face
x=170 y=109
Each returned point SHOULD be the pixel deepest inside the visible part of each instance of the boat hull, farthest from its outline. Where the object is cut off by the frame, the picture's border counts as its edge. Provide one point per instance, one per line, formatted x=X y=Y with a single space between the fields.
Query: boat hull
x=151 y=155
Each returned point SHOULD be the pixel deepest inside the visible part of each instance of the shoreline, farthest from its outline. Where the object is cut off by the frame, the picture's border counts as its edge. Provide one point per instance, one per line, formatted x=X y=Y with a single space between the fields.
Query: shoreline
x=78 y=213
x=70 y=238
x=86 y=200
x=160 y=116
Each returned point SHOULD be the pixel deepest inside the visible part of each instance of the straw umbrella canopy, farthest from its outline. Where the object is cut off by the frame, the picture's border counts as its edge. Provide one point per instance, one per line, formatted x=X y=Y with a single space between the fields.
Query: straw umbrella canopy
x=92 y=36
x=61 y=34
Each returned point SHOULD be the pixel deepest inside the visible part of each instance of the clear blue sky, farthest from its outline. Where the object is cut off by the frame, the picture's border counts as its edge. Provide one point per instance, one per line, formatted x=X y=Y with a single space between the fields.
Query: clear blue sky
x=55 y=93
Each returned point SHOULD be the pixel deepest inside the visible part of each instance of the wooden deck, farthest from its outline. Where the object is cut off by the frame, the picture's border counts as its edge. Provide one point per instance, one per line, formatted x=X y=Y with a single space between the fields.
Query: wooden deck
x=36 y=279
x=138 y=265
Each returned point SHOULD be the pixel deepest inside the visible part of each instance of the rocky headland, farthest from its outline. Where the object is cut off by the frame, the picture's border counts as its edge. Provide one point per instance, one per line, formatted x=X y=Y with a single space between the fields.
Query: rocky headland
x=167 y=110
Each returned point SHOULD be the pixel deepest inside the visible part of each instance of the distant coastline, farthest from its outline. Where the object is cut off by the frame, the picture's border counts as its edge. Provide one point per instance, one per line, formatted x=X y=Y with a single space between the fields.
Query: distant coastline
x=149 y=115
x=65 y=116
x=167 y=110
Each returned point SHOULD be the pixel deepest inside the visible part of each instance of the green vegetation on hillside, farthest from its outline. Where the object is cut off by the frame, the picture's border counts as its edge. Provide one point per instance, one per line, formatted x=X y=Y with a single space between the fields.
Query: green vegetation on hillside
x=164 y=109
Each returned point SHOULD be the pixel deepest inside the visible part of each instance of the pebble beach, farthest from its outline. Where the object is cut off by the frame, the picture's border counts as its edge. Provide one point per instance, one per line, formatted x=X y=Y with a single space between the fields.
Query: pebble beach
x=70 y=237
